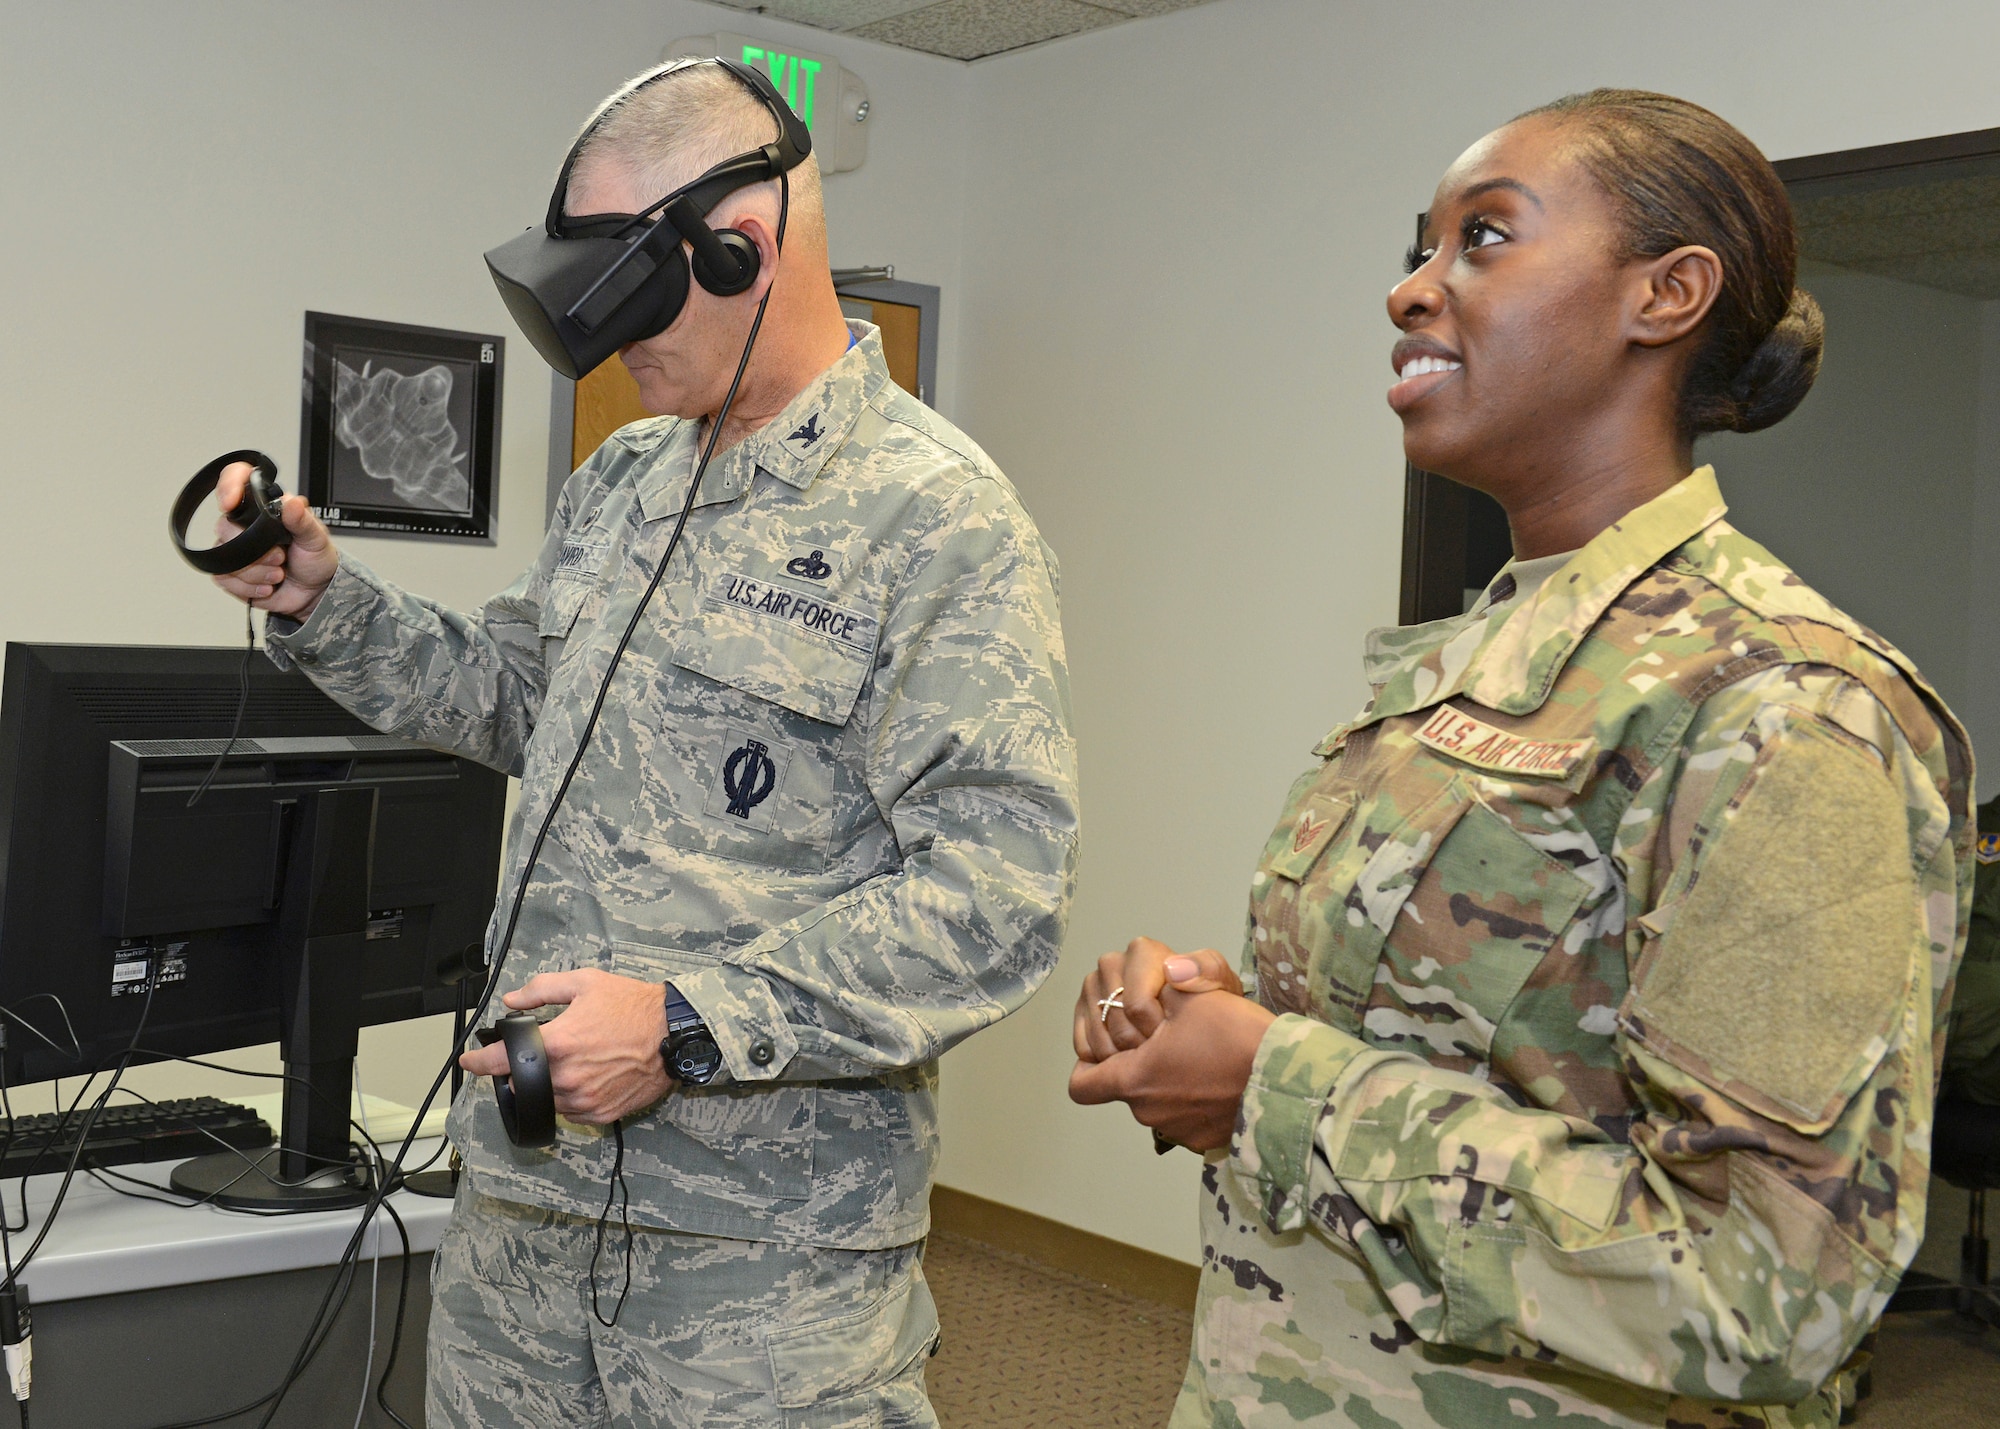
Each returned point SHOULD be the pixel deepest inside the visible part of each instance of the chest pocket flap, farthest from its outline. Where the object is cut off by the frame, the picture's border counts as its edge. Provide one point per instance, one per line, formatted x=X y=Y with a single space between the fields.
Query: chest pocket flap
x=562 y=605
x=794 y=650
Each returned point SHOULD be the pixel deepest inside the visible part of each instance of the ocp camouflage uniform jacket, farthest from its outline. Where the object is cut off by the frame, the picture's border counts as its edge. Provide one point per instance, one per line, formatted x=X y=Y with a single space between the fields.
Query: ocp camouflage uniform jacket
x=832 y=794
x=1611 y=944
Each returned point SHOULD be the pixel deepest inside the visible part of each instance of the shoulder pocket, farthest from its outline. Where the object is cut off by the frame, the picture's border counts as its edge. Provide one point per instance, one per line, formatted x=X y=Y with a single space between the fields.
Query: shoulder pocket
x=1791 y=938
x=1298 y=845
x=575 y=582
x=1328 y=896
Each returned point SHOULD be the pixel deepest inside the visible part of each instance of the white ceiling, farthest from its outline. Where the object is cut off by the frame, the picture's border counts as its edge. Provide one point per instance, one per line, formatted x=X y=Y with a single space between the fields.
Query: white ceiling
x=960 y=29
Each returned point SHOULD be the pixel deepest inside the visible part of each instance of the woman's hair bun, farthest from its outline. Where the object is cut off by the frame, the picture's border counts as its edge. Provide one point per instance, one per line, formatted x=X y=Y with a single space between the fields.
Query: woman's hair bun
x=1780 y=372
x=1679 y=176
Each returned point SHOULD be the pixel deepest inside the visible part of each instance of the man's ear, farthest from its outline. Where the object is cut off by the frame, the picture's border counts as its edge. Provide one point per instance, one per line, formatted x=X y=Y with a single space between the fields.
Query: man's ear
x=765 y=235
x=1675 y=292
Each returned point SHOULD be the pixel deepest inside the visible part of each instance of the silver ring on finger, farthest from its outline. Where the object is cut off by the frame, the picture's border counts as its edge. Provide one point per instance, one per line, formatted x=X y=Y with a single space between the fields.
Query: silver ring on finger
x=1105 y=1004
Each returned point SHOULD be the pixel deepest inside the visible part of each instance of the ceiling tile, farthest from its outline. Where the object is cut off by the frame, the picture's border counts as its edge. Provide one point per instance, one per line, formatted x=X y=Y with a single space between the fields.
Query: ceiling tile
x=969 y=29
x=1147 y=7
x=833 y=14
x=1942 y=233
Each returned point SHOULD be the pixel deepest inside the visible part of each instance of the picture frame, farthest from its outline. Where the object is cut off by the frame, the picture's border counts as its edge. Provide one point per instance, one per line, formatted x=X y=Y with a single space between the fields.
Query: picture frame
x=400 y=432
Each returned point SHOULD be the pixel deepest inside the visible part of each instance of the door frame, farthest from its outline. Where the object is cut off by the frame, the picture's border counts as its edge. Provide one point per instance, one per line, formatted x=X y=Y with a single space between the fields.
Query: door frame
x=921 y=296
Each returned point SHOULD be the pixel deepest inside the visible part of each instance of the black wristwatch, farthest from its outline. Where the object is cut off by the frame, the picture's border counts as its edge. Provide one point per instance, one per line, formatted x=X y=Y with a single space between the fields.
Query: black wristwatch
x=689 y=1048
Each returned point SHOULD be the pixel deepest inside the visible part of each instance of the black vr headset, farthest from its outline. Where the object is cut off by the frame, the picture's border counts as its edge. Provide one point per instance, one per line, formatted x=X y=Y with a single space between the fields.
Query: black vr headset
x=581 y=288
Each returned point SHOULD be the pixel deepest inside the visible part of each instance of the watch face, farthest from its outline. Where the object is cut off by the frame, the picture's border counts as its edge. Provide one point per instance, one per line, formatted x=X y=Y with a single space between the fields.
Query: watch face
x=695 y=1059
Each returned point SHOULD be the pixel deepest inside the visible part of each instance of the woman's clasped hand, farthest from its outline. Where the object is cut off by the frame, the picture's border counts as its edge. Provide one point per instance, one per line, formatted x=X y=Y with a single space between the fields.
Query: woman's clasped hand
x=1172 y=1036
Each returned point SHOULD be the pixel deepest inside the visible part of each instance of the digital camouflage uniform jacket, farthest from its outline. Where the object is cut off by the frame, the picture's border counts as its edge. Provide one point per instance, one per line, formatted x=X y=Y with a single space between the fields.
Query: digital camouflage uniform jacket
x=1610 y=942
x=832 y=795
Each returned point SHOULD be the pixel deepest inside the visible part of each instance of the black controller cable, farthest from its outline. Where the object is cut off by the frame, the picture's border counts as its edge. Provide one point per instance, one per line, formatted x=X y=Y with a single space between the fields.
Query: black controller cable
x=11 y=1283
x=616 y=1188
x=389 y=1181
x=242 y=706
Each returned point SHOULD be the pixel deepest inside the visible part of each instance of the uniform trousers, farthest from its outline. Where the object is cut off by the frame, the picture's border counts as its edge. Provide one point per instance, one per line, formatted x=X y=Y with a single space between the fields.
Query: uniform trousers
x=714 y=1332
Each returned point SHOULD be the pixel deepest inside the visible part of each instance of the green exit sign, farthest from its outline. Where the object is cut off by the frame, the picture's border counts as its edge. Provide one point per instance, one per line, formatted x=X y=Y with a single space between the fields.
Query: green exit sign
x=795 y=76
x=832 y=101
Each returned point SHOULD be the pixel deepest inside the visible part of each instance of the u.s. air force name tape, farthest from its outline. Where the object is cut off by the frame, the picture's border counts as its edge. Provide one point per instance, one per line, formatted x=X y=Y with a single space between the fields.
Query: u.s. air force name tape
x=790 y=607
x=1474 y=742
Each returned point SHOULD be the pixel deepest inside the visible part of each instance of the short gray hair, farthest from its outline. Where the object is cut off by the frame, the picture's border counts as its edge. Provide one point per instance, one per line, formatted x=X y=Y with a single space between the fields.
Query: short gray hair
x=673 y=129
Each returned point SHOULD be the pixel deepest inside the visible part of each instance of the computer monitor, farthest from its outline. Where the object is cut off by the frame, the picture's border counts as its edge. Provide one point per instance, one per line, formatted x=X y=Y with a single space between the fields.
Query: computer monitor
x=328 y=878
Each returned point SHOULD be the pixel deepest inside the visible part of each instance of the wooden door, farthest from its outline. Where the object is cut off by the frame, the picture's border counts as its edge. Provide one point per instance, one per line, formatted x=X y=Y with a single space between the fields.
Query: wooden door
x=902 y=327
x=605 y=400
x=582 y=414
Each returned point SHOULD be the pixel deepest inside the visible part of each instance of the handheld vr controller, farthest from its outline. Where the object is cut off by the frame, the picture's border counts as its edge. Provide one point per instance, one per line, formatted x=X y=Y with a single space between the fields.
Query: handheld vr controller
x=258 y=513
x=526 y=1096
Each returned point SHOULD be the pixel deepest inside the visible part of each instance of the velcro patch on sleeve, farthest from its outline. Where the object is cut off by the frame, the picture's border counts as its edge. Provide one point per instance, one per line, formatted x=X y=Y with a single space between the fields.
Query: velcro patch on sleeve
x=851 y=628
x=1780 y=979
x=1475 y=742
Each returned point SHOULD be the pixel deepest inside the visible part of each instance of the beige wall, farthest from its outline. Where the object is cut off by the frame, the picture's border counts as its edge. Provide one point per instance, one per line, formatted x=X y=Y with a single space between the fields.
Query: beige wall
x=1178 y=242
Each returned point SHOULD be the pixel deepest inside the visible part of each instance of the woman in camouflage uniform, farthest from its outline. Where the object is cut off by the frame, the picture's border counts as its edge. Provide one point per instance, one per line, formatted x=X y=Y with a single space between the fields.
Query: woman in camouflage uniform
x=1596 y=969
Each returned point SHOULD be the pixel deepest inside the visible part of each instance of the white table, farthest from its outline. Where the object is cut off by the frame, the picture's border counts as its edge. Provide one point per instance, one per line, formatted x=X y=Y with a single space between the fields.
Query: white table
x=148 y=1313
x=104 y=1243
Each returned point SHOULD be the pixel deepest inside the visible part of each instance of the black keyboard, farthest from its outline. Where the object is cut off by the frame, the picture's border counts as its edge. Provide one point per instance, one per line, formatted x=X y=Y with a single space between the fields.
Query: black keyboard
x=124 y=1133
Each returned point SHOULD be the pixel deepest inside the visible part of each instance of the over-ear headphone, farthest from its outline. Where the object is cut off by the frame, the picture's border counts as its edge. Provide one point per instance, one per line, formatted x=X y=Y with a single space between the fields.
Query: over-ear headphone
x=258 y=513
x=583 y=287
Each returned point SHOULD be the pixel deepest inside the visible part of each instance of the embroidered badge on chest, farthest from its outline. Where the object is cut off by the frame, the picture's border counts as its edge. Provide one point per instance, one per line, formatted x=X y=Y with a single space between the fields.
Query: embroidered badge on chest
x=812 y=567
x=1475 y=742
x=794 y=608
x=1988 y=848
x=749 y=768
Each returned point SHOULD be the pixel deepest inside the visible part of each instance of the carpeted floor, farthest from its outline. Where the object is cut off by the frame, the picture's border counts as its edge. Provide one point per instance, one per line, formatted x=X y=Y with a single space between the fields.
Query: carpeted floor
x=1025 y=1345
x=1934 y=1372
x=1028 y=1347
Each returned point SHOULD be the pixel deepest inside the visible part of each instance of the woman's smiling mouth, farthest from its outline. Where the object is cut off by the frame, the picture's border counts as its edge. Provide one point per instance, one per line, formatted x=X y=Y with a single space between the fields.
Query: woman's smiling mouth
x=1421 y=368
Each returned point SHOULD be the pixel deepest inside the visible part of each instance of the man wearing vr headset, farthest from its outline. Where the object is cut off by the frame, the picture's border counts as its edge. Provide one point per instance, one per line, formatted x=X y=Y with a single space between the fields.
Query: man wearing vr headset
x=823 y=828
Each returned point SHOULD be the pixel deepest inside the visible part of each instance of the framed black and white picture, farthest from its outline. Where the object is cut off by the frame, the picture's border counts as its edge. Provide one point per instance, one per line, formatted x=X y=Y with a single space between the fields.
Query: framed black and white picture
x=401 y=431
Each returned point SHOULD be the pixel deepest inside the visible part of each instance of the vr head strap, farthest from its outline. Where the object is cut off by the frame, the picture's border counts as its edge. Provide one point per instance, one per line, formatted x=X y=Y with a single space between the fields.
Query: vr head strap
x=581 y=288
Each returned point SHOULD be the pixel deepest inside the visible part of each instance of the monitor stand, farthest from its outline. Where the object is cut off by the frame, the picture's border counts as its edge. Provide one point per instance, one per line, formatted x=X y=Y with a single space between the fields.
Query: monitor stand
x=327 y=845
